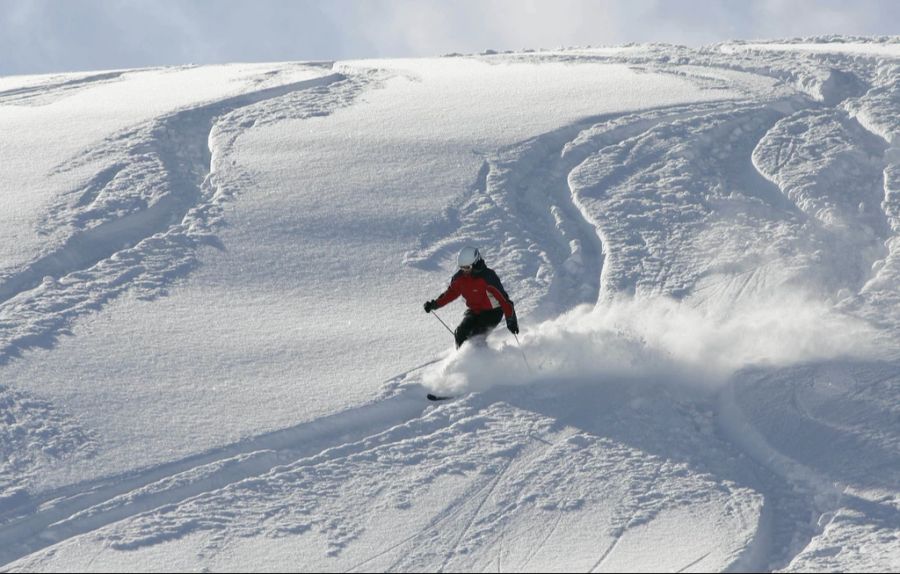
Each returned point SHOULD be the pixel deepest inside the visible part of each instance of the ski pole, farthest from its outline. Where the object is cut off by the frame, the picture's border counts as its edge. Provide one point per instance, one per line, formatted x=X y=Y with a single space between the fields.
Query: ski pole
x=523 y=353
x=442 y=323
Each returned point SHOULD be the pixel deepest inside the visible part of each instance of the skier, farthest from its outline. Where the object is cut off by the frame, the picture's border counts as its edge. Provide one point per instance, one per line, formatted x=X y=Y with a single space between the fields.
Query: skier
x=485 y=297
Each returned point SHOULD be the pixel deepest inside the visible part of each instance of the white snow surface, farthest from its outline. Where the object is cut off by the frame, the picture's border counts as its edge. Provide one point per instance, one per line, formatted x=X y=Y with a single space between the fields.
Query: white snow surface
x=213 y=352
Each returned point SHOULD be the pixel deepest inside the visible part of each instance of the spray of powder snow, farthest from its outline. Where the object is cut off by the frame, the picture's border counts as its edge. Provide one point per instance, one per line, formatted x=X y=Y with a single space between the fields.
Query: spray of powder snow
x=659 y=339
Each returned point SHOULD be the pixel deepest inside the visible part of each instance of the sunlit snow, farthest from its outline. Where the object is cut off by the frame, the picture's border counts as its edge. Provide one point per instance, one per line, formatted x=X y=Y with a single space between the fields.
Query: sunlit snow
x=213 y=352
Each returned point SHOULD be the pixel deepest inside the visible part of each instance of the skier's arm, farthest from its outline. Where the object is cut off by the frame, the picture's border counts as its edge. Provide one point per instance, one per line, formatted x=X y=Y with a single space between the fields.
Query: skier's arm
x=495 y=289
x=505 y=304
x=448 y=296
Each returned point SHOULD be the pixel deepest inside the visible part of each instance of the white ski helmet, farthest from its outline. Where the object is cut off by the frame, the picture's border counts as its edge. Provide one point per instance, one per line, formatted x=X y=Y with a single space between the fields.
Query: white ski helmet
x=468 y=256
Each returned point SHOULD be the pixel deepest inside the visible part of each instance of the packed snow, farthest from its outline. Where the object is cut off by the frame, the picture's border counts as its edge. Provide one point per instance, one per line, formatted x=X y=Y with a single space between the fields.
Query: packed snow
x=213 y=352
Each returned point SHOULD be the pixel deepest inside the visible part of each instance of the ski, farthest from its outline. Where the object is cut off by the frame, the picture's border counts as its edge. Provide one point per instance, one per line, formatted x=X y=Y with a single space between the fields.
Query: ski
x=438 y=397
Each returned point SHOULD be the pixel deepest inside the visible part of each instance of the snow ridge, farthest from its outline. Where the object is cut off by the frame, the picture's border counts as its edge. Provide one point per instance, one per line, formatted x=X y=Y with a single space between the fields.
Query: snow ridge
x=52 y=90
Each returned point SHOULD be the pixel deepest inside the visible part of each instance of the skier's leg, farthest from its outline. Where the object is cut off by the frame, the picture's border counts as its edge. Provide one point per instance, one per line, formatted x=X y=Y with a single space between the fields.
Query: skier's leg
x=485 y=322
x=477 y=324
x=465 y=328
x=491 y=319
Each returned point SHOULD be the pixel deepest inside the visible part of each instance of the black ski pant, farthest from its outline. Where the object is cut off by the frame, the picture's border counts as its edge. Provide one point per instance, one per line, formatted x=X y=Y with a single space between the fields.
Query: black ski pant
x=477 y=324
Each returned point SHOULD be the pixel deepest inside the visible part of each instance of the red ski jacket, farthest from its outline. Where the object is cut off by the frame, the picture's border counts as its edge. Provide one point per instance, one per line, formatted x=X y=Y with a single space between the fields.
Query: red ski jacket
x=481 y=289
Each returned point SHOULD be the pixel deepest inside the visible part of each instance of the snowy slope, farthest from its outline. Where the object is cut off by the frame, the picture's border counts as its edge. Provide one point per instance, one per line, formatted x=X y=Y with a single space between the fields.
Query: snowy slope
x=213 y=352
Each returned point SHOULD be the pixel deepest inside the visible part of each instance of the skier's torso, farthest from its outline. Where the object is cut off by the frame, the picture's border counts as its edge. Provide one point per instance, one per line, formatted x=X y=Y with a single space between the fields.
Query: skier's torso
x=481 y=289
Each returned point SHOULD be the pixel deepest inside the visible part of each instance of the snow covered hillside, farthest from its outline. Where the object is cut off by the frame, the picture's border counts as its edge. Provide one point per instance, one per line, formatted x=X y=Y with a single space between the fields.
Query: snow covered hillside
x=213 y=352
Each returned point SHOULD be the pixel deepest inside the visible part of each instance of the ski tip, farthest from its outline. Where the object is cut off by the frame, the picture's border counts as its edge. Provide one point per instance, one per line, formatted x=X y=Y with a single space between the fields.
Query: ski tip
x=432 y=397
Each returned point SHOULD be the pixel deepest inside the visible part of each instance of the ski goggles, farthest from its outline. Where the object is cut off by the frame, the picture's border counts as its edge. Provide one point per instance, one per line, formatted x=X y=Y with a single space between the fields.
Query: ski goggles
x=465 y=268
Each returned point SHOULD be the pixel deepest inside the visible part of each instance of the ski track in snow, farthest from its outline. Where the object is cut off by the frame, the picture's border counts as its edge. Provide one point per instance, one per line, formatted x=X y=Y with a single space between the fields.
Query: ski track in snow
x=580 y=213
x=135 y=226
x=522 y=197
x=54 y=89
x=519 y=476
x=33 y=523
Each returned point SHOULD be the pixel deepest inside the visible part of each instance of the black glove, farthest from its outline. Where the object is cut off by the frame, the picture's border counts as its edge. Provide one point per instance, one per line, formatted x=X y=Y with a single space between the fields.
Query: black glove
x=513 y=325
x=430 y=306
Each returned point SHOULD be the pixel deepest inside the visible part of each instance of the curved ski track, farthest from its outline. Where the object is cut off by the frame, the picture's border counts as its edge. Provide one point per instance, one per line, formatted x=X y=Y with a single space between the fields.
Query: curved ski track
x=135 y=226
x=138 y=223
